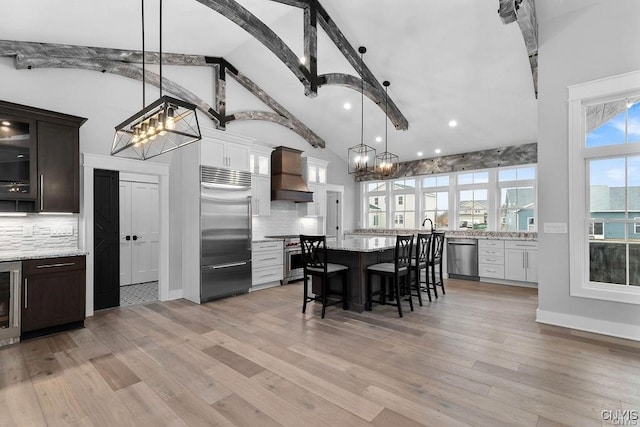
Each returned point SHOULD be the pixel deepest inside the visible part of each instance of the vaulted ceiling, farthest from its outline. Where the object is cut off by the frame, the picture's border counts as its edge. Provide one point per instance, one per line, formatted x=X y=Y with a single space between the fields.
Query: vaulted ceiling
x=446 y=60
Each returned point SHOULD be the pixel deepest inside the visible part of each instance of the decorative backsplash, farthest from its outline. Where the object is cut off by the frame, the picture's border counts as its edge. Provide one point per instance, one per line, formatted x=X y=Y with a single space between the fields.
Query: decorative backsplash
x=38 y=233
x=284 y=220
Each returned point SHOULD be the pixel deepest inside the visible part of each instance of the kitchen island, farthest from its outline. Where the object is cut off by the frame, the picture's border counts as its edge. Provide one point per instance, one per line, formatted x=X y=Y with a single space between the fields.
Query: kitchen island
x=358 y=253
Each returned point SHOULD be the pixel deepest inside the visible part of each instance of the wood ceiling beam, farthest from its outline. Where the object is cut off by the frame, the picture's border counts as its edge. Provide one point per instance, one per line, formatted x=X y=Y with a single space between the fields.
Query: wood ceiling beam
x=294 y=124
x=233 y=11
x=524 y=13
x=30 y=55
x=131 y=71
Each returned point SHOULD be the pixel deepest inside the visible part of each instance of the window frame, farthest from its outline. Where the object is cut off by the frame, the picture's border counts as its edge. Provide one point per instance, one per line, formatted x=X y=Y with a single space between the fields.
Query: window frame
x=517 y=183
x=581 y=96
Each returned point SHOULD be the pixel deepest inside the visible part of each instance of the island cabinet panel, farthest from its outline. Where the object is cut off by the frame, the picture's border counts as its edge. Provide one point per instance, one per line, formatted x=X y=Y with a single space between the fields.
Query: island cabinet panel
x=53 y=293
x=357 y=261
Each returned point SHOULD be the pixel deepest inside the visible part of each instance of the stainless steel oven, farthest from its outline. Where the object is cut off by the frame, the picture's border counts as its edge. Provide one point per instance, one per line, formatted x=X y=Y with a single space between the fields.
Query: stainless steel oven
x=10 y=276
x=292 y=263
x=292 y=258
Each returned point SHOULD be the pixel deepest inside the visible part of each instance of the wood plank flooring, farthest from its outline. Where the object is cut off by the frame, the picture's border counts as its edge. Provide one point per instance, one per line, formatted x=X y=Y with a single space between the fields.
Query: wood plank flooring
x=475 y=356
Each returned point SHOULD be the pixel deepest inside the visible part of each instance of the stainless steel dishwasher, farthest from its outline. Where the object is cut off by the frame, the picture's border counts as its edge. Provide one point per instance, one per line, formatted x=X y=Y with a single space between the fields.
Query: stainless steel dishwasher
x=462 y=259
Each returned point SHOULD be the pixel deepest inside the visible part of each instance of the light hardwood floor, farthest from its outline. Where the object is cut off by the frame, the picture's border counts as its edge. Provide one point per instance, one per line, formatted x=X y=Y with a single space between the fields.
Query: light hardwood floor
x=473 y=357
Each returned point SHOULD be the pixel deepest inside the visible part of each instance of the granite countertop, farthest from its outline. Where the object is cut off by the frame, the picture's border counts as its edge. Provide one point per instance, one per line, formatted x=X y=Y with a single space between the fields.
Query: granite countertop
x=472 y=234
x=265 y=239
x=364 y=244
x=24 y=255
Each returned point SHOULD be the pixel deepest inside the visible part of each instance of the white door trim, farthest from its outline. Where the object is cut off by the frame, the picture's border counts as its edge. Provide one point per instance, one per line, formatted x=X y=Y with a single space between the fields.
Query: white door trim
x=90 y=162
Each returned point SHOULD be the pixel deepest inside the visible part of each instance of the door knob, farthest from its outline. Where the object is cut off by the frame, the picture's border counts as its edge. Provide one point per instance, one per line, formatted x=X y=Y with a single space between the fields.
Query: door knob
x=135 y=237
x=127 y=238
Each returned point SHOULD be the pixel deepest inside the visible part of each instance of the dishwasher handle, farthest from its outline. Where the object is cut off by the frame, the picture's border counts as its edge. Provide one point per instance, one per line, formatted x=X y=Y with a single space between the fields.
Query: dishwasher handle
x=462 y=243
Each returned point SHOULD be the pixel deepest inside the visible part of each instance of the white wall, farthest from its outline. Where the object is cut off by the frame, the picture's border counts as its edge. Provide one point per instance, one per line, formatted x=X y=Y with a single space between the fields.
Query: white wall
x=579 y=41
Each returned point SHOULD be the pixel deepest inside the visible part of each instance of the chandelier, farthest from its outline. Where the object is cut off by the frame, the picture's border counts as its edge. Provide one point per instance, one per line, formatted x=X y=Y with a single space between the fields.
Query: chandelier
x=362 y=157
x=164 y=125
x=387 y=162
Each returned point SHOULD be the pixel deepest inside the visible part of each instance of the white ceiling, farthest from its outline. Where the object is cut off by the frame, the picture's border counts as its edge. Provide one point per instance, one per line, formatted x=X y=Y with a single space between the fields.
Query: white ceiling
x=445 y=60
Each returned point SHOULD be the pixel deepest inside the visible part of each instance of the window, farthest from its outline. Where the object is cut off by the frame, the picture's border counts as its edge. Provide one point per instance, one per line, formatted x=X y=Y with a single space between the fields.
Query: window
x=517 y=198
x=376 y=204
x=473 y=200
x=605 y=189
x=404 y=208
x=435 y=199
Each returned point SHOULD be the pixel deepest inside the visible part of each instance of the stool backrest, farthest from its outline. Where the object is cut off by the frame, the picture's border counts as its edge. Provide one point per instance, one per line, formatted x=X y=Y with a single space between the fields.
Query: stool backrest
x=423 y=247
x=404 y=246
x=314 y=253
x=437 y=245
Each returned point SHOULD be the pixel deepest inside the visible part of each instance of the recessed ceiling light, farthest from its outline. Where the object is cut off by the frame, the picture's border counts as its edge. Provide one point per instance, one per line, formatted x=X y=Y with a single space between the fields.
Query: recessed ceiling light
x=347 y=106
x=378 y=139
x=6 y=123
x=437 y=151
x=419 y=153
x=453 y=123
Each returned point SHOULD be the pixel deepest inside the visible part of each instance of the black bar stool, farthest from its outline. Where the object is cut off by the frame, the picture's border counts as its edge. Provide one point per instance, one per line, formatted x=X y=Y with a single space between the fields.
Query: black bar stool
x=435 y=259
x=314 y=259
x=399 y=269
x=419 y=263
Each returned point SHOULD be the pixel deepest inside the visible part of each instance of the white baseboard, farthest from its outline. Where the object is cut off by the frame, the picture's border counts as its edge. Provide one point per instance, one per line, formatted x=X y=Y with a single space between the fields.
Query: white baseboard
x=614 y=329
x=175 y=294
x=509 y=282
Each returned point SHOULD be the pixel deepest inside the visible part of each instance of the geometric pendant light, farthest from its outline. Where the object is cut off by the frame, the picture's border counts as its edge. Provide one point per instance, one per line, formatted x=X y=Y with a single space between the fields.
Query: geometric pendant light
x=387 y=162
x=362 y=158
x=164 y=125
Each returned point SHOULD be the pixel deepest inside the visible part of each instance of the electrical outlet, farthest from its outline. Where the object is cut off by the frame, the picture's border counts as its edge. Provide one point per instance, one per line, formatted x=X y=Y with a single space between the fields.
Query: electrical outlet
x=27 y=230
x=62 y=230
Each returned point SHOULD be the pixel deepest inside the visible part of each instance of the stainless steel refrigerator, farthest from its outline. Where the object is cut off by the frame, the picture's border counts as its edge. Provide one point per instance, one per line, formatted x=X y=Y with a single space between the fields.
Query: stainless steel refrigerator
x=225 y=232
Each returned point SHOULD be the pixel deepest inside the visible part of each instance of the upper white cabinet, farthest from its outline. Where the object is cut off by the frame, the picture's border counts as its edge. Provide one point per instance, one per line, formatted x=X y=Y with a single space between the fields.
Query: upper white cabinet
x=314 y=172
x=224 y=154
x=260 y=167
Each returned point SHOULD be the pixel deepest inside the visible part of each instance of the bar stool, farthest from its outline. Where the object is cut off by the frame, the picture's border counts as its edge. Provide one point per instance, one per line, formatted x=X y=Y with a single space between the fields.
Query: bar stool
x=419 y=263
x=437 y=245
x=314 y=259
x=399 y=269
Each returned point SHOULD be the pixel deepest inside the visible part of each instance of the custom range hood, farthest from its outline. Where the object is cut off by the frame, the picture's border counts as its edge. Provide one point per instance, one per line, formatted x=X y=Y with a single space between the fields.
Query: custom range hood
x=286 y=176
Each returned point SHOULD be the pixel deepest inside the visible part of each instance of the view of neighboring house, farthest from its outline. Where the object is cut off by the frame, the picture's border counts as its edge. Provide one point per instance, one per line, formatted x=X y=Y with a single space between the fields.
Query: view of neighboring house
x=608 y=203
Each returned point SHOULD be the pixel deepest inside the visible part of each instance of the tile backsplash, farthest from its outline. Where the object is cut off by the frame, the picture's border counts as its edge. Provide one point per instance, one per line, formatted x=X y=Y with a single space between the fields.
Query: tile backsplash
x=38 y=232
x=284 y=220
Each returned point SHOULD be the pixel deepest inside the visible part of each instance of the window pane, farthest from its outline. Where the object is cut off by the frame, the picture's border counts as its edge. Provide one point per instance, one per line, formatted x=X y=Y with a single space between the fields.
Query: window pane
x=376 y=187
x=377 y=220
x=633 y=122
x=526 y=173
x=633 y=186
x=605 y=124
x=430 y=201
x=607 y=262
x=377 y=203
x=465 y=178
x=607 y=188
x=472 y=209
x=436 y=181
x=507 y=175
x=473 y=178
x=634 y=264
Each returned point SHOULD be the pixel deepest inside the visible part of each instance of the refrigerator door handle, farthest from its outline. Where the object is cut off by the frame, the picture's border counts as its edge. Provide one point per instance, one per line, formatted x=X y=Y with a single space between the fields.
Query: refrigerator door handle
x=235 y=264
x=250 y=220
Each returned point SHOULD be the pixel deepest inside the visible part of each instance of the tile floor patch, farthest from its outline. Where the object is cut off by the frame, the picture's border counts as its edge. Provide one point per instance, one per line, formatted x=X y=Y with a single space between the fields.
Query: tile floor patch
x=141 y=293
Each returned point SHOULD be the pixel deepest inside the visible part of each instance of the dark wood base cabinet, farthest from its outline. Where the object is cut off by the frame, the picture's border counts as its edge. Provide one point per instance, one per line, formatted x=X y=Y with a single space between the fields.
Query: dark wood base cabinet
x=53 y=295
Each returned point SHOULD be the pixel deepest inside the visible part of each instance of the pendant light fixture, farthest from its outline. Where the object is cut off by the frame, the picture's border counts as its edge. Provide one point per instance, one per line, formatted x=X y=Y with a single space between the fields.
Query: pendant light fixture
x=162 y=126
x=362 y=158
x=387 y=162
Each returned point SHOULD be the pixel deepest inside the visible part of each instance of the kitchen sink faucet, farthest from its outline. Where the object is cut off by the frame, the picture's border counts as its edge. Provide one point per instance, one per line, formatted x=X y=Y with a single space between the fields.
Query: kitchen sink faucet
x=432 y=227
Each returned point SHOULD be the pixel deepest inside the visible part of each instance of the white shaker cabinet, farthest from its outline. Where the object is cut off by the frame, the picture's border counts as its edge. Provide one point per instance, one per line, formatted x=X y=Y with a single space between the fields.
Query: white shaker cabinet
x=267 y=264
x=260 y=166
x=315 y=174
x=225 y=154
x=521 y=261
x=491 y=259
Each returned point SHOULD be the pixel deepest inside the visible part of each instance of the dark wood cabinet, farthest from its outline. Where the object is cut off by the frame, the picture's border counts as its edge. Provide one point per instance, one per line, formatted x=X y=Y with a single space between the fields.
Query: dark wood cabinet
x=58 y=168
x=52 y=183
x=53 y=294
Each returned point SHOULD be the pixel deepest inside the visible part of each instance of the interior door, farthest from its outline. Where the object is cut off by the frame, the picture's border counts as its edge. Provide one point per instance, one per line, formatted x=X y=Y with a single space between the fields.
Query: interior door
x=125 y=233
x=106 y=245
x=145 y=226
x=139 y=232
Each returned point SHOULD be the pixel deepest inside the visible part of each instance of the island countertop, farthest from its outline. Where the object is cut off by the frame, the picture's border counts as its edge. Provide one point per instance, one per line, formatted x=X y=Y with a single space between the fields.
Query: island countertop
x=26 y=255
x=364 y=244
